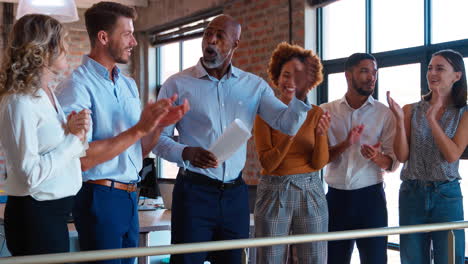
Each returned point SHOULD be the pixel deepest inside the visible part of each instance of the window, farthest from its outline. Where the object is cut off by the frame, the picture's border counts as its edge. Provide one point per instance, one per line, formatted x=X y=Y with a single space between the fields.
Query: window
x=449 y=20
x=177 y=49
x=402 y=35
x=339 y=29
x=396 y=24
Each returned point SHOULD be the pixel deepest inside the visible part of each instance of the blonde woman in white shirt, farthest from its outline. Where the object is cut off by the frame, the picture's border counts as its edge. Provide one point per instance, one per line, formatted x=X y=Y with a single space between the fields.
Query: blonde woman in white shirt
x=42 y=146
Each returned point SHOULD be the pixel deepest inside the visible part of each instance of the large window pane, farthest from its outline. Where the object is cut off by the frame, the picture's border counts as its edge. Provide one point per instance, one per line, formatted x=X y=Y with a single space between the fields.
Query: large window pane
x=404 y=92
x=192 y=51
x=344 y=29
x=449 y=20
x=169 y=60
x=403 y=82
x=389 y=32
x=337 y=86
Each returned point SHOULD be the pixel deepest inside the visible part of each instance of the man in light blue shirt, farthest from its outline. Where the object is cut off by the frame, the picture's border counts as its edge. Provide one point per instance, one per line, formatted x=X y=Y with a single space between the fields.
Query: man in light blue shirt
x=121 y=134
x=210 y=200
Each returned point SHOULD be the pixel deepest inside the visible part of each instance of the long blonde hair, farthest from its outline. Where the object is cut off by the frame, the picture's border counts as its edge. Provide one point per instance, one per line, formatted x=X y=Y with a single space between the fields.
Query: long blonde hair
x=35 y=42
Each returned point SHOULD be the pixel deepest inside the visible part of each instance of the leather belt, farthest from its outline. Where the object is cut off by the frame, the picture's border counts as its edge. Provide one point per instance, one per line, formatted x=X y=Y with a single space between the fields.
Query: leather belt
x=201 y=179
x=128 y=187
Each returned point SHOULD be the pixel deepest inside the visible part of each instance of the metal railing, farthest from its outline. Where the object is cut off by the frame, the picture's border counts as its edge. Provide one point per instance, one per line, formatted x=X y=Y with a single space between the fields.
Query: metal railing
x=239 y=243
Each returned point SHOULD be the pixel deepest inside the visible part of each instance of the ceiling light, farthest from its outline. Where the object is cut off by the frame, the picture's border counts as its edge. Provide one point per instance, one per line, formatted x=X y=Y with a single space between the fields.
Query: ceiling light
x=62 y=10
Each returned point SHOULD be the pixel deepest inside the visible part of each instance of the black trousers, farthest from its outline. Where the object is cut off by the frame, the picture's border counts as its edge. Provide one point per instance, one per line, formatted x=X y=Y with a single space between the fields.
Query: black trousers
x=37 y=227
x=357 y=209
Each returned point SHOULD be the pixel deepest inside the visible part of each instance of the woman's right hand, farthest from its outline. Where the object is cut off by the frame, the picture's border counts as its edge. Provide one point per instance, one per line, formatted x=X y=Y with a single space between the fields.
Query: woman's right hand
x=79 y=123
x=395 y=107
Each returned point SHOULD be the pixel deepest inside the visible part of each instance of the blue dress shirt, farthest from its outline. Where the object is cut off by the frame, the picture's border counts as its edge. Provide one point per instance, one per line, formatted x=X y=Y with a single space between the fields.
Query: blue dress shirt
x=214 y=104
x=115 y=107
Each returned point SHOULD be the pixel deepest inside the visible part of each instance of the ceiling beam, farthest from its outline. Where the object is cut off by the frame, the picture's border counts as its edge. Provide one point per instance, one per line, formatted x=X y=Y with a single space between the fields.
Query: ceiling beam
x=89 y=3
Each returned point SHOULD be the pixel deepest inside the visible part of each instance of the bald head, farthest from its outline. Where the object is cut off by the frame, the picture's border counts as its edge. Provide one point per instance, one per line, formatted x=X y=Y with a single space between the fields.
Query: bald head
x=228 y=24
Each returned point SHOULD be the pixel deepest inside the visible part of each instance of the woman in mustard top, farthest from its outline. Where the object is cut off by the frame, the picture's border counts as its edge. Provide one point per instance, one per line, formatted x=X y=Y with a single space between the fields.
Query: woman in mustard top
x=290 y=195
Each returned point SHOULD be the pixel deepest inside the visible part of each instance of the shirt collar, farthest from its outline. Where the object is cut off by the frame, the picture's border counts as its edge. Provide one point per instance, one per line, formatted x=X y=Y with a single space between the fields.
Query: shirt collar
x=370 y=100
x=201 y=72
x=99 y=69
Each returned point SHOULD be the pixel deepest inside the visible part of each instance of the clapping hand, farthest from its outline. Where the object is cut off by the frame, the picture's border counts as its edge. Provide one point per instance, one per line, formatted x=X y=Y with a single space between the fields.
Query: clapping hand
x=323 y=124
x=175 y=113
x=436 y=105
x=355 y=134
x=395 y=107
x=370 y=151
x=306 y=78
x=78 y=124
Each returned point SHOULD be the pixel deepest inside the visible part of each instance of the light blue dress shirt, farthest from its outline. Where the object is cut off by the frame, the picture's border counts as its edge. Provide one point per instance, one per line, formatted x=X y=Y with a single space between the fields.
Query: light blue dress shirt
x=214 y=104
x=115 y=107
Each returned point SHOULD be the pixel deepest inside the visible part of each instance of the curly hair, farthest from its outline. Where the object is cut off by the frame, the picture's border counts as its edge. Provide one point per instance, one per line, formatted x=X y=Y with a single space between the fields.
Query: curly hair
x=35 y=42
x=285 y=52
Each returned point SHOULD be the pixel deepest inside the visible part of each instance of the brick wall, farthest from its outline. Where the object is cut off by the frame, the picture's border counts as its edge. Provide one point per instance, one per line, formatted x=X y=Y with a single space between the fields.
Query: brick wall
x=265 y=23
x=78 y=45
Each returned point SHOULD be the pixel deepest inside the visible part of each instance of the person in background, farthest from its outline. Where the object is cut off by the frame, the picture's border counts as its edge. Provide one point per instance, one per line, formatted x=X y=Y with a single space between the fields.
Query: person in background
x=210 y=200
x=431 y=135
x=361 y=150
x=290 y=195
x=106 y=211
x=2 y=167
x=42 y=145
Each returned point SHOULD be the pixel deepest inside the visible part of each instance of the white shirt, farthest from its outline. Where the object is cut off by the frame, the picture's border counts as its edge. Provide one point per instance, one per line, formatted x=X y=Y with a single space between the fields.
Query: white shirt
x=41 y=160
x=350 y=170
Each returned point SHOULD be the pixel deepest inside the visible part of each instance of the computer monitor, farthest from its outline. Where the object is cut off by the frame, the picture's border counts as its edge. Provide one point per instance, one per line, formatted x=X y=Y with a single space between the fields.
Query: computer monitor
x=148 y=186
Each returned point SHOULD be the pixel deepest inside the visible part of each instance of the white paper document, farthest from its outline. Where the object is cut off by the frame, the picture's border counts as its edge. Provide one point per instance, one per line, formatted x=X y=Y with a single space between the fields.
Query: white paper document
x=229 y=142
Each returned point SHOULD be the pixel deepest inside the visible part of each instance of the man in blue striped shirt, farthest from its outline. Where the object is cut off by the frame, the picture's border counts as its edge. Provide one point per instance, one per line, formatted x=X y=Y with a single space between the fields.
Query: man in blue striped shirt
x=210 y=200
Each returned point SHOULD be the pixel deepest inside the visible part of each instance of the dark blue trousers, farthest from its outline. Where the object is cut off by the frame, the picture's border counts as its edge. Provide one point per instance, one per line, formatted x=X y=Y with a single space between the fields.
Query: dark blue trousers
x=106 y=218
x=357 y=209
x=205 y=213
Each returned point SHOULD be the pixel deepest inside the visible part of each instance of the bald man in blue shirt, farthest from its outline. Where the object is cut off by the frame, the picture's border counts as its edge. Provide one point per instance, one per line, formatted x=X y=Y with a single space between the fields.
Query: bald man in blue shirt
x=210 y=200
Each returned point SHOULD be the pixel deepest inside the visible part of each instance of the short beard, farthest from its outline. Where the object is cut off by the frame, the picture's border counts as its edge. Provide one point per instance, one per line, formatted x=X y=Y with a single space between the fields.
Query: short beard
x=361 y=91
x=114 y=53
x=212 y=65
x=215 y=64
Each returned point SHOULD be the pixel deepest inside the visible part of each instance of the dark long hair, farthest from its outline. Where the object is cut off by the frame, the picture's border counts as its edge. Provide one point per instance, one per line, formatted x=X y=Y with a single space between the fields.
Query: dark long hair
x=459 y=88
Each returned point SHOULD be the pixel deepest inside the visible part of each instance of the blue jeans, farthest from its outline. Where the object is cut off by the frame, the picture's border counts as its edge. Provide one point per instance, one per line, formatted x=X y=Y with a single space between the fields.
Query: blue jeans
x=430 y=202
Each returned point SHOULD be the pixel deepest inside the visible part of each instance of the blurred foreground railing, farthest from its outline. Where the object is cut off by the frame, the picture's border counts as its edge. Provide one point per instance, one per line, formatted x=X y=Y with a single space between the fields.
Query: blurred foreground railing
x=84 y=256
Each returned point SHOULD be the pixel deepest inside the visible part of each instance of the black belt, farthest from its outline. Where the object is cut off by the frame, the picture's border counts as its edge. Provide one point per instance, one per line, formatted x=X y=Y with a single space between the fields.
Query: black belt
x=200 y=179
